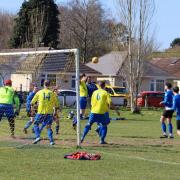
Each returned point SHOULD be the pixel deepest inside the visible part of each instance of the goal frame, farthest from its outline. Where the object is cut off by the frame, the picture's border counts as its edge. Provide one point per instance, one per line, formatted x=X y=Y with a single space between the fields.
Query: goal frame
x=76 y=54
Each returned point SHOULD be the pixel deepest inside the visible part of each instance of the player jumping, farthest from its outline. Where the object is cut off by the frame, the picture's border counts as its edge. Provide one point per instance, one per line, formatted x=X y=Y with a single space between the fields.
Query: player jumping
x=100 y=103
x=168 y=112
x=47 y=101
x=8 y=98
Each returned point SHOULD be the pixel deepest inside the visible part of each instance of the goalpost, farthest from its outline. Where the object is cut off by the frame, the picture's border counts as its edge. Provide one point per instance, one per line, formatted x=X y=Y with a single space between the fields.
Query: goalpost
x=76 y=54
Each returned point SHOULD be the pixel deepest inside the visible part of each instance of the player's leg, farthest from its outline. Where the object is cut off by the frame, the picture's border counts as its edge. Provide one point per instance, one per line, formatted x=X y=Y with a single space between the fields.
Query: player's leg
x=28 y=124
x=163 y=124
x=37 y=132
x=49 y=120
x=9 y=113
x=170 y=126
x=83 y=104
x=57 y=124
x=178 y=127
x=92 y=118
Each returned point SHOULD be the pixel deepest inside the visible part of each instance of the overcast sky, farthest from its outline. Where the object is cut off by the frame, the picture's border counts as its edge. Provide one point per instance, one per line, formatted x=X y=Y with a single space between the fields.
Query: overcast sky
x=166 y=19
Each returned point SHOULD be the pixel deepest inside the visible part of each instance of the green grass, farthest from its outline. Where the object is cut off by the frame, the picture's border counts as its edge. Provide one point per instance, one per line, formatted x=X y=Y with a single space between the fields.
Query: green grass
x=134 y=152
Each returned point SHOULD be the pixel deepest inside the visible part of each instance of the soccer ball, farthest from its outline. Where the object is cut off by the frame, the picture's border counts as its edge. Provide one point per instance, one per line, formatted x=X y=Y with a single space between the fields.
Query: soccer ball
x=95 y=60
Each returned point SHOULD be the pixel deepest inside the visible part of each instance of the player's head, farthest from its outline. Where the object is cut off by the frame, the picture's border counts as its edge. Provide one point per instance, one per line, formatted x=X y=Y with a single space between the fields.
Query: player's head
x=168 y=86
x=47 y=84
x=89 y=79
x=8 y=82
x=83 y=77
x=35 y=89
x=102 y=84
x=176 y=90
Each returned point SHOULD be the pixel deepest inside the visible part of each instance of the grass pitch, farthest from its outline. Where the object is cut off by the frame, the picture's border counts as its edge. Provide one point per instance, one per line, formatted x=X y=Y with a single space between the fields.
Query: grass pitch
x=134 y=152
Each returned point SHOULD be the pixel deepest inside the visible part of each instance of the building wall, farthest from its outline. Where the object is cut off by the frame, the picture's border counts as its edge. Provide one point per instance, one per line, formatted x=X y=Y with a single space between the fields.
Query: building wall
x=21 y=81
x=4 y=76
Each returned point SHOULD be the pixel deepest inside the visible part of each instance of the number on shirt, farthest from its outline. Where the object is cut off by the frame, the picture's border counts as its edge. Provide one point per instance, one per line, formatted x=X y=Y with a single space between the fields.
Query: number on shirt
x=98 y=97
x=48 y=96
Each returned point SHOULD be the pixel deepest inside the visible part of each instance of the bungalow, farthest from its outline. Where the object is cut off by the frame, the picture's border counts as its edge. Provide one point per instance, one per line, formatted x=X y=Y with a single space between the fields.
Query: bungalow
x=58 y=68
x=110 y=66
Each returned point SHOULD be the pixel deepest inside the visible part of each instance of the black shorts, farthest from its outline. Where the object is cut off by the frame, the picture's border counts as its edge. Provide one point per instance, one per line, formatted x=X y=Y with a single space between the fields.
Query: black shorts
x=178 y=124
x=168 y=113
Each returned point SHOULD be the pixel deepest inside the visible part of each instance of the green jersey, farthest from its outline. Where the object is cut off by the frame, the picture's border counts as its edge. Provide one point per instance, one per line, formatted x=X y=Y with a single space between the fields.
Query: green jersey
x=8 y=96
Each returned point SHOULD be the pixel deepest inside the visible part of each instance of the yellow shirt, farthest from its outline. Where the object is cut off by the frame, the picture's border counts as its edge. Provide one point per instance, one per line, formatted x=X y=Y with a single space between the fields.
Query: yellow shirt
x=83 y=89
x=100 y=102
x=47 y=101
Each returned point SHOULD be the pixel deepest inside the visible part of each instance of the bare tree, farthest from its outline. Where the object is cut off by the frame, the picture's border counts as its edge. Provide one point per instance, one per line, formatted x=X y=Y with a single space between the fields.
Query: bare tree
x=82 y=27
x=136 y=15
x=6 y=24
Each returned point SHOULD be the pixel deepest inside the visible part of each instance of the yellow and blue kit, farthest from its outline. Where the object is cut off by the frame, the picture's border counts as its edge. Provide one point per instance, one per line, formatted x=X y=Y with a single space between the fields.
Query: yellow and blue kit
x=83 y=95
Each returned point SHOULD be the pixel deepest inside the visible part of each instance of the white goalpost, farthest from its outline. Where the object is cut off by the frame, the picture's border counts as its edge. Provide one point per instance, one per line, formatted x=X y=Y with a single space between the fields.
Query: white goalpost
x=76 y=54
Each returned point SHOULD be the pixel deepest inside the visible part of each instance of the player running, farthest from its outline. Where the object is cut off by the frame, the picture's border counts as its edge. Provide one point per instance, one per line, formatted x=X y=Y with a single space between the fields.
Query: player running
x=176 y=107
x=28 y=108
x=8 y=98
x=100 y=103
x=168 y=112
x=47 y=107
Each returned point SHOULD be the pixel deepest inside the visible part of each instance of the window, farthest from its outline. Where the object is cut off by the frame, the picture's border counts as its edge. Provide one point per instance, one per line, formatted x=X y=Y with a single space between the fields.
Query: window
x=110 y=91
x=73 y=82
x=157 y=85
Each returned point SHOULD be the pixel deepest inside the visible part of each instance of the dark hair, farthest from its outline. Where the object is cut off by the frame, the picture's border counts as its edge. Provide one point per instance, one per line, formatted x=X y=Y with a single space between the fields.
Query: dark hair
x=169 y=85
x=102 y=84
x=82 y=75
x=176 y=89
x=47 y=83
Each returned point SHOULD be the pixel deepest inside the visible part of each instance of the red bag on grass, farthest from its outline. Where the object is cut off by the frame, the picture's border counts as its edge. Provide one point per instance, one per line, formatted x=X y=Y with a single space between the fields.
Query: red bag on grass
x=83 y=156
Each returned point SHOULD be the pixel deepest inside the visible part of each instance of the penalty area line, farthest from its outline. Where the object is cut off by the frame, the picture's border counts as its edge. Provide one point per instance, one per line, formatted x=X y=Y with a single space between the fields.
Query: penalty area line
x=144 y=159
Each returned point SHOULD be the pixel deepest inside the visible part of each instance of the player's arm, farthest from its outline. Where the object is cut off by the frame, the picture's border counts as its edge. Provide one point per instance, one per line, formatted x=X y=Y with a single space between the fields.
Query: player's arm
x=174 y=107
x=33 y=102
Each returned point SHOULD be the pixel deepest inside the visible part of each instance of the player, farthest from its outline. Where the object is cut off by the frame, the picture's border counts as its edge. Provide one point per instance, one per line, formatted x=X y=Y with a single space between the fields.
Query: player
x=28 y=108
x=168 y=112
x=83 y=95
x=8 y=97
x=47 y=101
x=100 y=103
x=176 y=107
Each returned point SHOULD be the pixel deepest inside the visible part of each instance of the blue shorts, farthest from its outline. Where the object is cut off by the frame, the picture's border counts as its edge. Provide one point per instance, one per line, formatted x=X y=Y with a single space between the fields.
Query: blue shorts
x=98 y=118
x=46 y=119
x=6 y=110
x=83 y=102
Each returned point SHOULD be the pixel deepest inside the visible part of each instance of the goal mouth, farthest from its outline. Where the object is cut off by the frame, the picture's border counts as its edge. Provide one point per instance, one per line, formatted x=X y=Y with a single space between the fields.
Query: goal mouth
x=26 y=67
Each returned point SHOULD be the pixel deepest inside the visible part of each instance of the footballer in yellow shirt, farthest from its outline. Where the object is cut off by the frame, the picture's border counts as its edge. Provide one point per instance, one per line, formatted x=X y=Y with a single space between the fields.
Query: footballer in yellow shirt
x=83 y=95
x=100 y=104
x=47 y=105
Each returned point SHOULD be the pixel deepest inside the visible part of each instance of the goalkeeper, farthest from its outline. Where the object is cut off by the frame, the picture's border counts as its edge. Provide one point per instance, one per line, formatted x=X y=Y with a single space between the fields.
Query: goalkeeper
x=8 y=98
x=47 y=102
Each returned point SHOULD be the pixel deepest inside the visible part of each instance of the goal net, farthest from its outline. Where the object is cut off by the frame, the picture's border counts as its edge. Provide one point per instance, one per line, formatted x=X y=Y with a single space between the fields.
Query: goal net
x=60 y=67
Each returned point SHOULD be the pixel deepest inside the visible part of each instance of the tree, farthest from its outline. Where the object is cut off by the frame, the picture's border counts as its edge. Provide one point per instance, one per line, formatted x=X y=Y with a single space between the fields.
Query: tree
x=175 y=42
x=37 y=24
x=136 y=15
x=82 y=26
x=6 y=24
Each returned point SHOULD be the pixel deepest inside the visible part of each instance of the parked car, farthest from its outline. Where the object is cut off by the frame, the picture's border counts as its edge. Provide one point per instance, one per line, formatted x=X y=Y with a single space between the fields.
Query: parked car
x=67 y=97
x=118 y=94
x=150 y=99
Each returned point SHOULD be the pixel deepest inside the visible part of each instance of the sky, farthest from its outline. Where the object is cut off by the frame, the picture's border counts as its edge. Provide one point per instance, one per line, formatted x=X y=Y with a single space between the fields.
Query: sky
x=166 y=23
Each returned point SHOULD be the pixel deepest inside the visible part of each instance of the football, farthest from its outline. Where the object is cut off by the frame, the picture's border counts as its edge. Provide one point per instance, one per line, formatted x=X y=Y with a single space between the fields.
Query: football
x=95 y=60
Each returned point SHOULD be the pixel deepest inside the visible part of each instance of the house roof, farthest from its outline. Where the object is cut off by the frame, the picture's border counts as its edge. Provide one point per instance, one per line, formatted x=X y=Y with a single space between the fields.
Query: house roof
x=109 y=64
x=170 y=65
x=151 y=70
x=53 y=63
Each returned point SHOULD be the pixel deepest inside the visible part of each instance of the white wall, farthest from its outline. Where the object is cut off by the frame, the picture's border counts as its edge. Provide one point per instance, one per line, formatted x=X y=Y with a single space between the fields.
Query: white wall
x=23 y=80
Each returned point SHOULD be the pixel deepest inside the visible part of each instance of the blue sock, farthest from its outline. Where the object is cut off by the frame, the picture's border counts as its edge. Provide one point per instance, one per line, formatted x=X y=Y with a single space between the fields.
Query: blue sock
x=170 y=127
x=163 y=126
x=86 y=130
x=50 y=134
x=28 y=124
x=57 y=129
x=36 y=130
x=98 y=130
x=42 y=126
x=103 y=133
